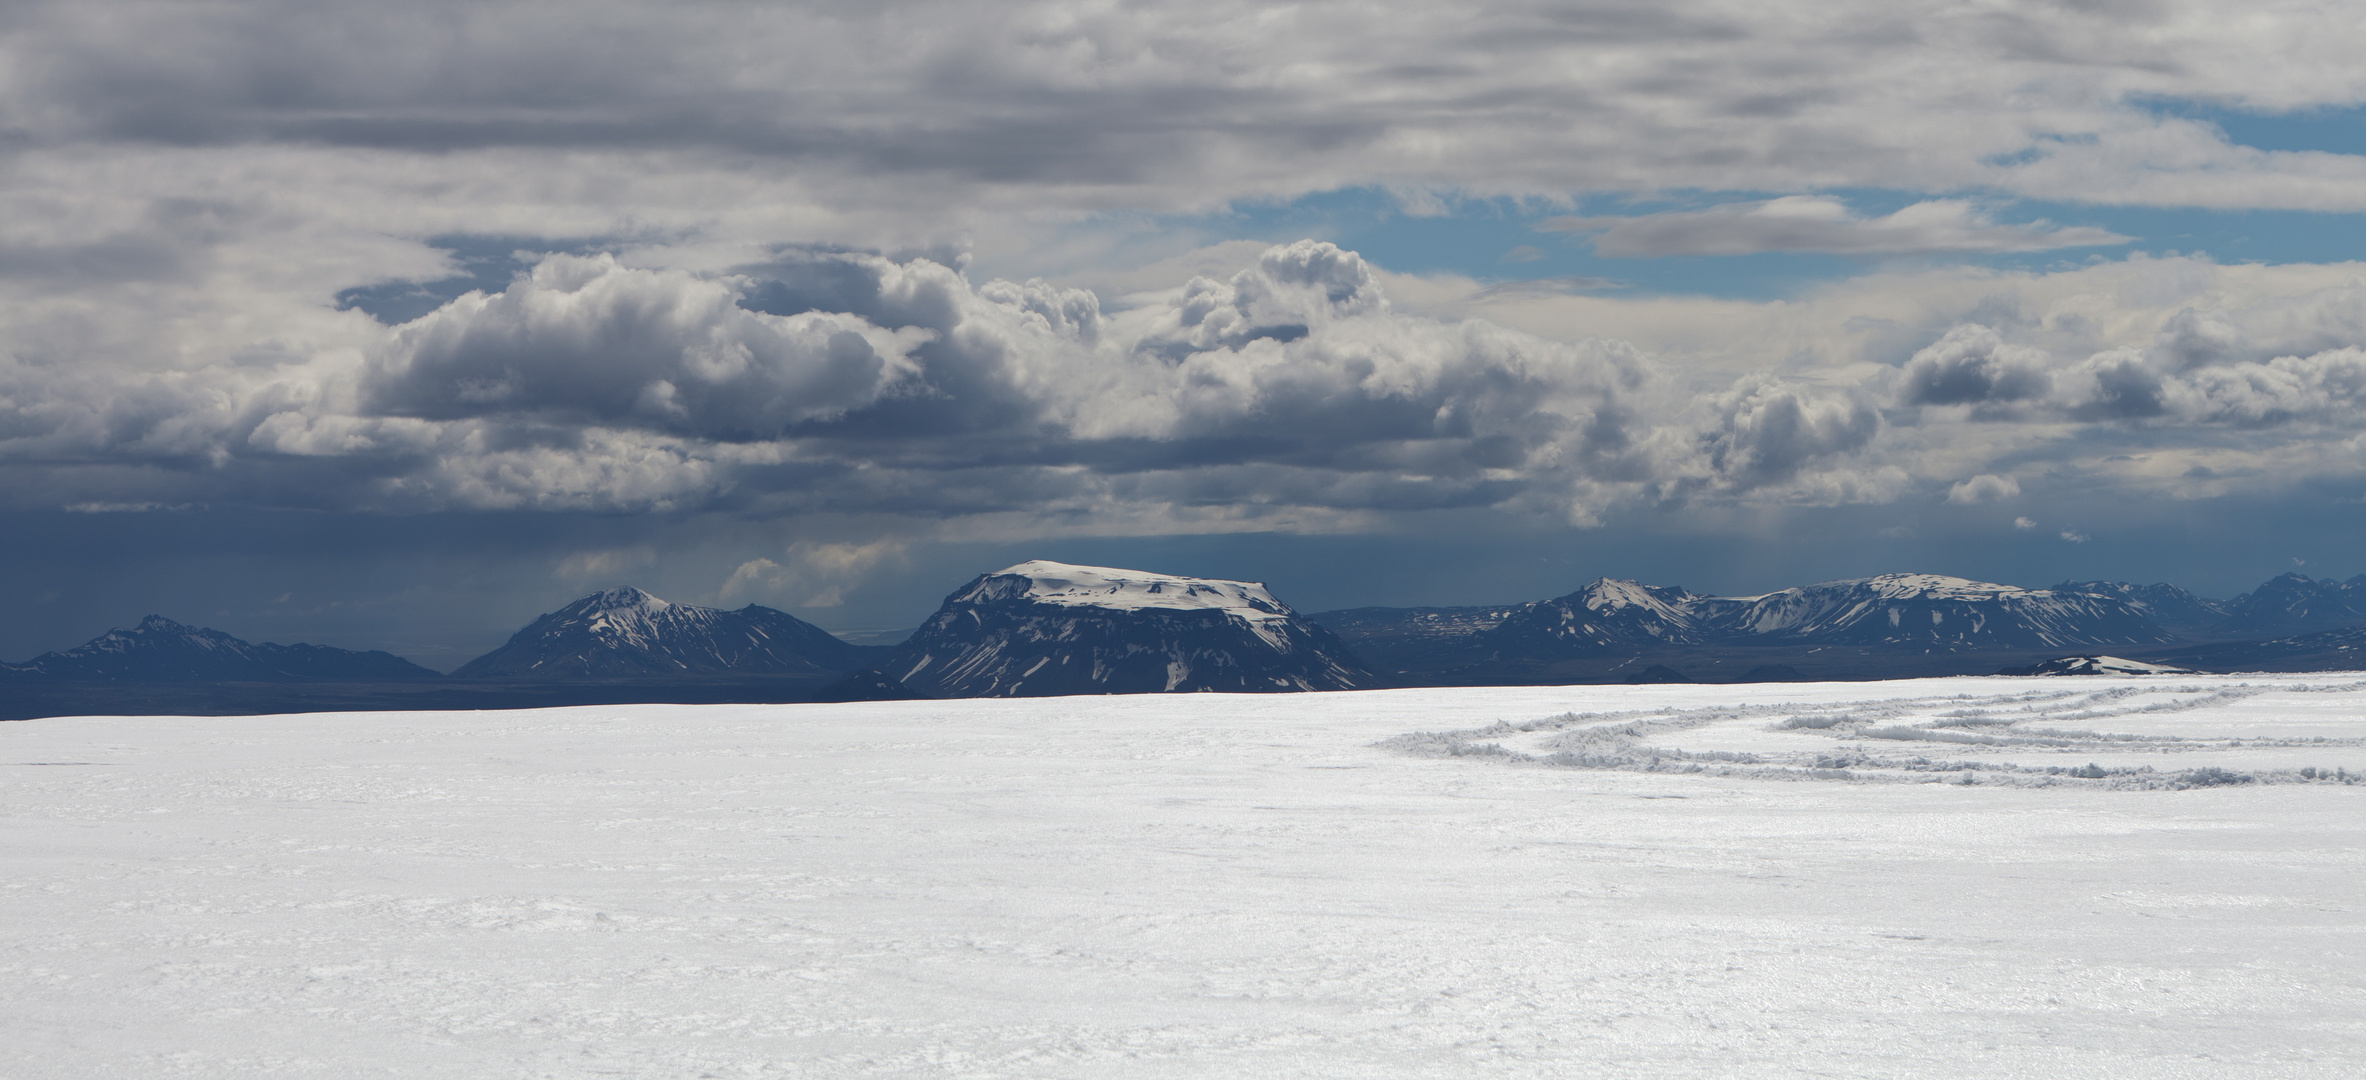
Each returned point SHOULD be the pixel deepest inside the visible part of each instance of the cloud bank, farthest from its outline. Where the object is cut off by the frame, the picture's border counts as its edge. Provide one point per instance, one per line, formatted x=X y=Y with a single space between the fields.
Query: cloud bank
x=1291 y=394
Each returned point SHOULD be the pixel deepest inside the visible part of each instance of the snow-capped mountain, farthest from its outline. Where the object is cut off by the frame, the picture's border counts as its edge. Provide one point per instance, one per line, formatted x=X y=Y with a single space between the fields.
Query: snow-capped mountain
x=1045 y=628
x=626 y=632
x=1607 y=614
x=2169 y=607
x=2295 y=604
x=1933 y=609
x=1925 y=610
x=160 y=650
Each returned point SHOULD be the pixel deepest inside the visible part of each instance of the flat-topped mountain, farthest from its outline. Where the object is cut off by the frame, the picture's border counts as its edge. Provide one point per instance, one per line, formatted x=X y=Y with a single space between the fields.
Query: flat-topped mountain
x=625 y=632
x=1045 y=628
x=160 y=650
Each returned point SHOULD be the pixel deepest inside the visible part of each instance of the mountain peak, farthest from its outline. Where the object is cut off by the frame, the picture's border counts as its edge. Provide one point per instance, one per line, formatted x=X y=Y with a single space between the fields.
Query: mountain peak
x=623 y=597
x=1608 y=593
x=626 y=632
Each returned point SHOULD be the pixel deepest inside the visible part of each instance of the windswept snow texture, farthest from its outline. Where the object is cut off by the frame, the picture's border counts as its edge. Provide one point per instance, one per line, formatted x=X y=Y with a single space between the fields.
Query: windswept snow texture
x=2135 y=731
x=1044 y=628
x=627 y=632
x=1188 y=886
x=1931 y=610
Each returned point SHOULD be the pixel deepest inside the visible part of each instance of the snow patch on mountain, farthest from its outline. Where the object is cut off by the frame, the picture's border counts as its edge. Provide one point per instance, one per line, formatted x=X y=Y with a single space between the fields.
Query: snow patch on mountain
x=1048 y=582
x=2101 y=665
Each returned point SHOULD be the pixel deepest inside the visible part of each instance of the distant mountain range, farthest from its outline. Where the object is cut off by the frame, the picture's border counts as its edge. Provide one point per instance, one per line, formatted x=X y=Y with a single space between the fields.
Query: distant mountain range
x=1893 y=625
x=2294 y=604
x=616 y=646
x=161 y=650
x=1044 y=628
x=1920 y=610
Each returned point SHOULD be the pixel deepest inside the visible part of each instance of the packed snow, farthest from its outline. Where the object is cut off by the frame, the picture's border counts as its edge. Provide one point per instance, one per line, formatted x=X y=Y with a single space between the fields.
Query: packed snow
x=1132 y=590
x=2145 y=877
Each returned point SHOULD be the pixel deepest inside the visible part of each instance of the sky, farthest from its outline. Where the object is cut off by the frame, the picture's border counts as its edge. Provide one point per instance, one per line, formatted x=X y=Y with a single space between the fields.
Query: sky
x=394 y=326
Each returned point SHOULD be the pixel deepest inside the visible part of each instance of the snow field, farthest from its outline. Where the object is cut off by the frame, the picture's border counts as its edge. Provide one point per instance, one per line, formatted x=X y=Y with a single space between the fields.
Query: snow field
x=1187 y=886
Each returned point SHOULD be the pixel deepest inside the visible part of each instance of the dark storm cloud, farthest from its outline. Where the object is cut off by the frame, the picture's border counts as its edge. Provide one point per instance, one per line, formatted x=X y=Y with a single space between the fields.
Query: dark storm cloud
x=589 y=384
x=1973 y=365
x=587 y=341
x=877 y=385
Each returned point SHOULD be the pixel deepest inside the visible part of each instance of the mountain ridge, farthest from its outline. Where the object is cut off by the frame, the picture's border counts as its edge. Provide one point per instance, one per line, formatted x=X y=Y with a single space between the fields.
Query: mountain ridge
x=158 y=649
x=1931 y=610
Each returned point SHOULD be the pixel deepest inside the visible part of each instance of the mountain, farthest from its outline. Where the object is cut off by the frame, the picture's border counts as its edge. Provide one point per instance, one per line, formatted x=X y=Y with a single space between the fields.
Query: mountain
x=1934 y=610
x=2294 y=604
x=1399 y=639
x=1045 y=628
x=2097 y=665
x=2169 y=607
x=625 y=633
x=160 y=650
x=1928 y=611
x=2325 y=650
x=1607 y=615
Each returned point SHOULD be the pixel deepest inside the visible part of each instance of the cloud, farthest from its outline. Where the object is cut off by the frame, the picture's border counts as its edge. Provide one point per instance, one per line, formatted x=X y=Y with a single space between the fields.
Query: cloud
x=1765 y=432
x=1821 y=223
x=1985 y=488
x=1973 y=365
x=2024 y=523
x=813 y=575
x=604 y=568
x=589 y=340
x=2075 y=536
x=1292 y=394
x=940 y=106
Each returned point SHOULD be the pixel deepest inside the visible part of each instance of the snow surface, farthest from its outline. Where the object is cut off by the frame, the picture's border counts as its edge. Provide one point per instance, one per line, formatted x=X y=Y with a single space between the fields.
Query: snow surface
x=1317 y=885
x=1132 y=590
